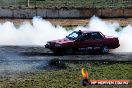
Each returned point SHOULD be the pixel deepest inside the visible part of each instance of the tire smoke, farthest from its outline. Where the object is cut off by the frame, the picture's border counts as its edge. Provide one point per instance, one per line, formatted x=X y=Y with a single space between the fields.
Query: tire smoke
x=41 y=31
x=37 y=33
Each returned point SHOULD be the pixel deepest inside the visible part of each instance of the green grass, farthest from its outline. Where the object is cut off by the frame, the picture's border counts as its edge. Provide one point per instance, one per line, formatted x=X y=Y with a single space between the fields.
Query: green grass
x=83 y=3
x=13 y=2
x=70 y=3
x=70 y=77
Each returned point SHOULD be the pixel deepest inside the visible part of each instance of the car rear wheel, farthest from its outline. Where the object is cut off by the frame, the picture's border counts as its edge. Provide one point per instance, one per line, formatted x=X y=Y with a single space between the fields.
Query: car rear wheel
x=105 y=49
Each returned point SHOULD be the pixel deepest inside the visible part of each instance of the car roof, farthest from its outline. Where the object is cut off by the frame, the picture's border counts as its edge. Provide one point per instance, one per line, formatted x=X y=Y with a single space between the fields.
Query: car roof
x=85 y=31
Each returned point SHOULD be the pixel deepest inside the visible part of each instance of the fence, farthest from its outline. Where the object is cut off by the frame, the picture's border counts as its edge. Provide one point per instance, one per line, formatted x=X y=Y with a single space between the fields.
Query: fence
x=66 y=3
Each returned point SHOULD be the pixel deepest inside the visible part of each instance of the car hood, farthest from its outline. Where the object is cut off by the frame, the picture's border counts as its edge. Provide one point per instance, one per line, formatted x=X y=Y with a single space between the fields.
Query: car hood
x=61 y=41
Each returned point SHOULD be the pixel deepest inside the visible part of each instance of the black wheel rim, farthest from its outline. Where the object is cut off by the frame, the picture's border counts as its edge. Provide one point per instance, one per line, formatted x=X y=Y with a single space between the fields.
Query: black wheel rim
x=105 y=49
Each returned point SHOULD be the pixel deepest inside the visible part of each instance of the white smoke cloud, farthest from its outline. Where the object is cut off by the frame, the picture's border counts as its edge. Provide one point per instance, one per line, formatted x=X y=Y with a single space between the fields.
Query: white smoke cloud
x=36 y=34
x=41 y=31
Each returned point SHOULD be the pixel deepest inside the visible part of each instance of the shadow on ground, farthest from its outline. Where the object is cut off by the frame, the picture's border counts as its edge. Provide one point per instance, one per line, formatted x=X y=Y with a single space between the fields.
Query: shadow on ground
x=53 y=54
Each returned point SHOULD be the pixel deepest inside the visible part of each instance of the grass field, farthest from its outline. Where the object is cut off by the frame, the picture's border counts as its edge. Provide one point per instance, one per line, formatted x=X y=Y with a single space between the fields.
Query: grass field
x=69 y=3
x=70 y=77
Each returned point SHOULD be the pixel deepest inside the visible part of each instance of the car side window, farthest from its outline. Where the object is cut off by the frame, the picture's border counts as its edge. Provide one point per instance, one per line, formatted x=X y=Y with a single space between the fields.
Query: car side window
x=96 y=35
x=86 y=37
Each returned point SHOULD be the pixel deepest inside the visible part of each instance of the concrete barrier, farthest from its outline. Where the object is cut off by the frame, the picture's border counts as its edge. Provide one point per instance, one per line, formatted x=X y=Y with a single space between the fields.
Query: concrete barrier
x=5 y=12
x=51 y=13
x=41 y=12
x=69 y=13
x=65 y=12
x=128 y=12
x=109 y=12
x=88 y=12
x=24 y=13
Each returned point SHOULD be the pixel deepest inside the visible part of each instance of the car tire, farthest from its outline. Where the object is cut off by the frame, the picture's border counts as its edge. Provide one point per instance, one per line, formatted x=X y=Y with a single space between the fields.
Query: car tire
x=105 y=49
x=68 y=50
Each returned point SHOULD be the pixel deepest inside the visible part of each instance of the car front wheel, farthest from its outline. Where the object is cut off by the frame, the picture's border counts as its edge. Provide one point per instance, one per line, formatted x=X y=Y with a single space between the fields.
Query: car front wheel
x=68 y=50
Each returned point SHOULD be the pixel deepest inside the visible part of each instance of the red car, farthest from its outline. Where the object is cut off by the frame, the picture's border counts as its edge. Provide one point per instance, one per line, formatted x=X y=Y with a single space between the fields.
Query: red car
x=83 y=41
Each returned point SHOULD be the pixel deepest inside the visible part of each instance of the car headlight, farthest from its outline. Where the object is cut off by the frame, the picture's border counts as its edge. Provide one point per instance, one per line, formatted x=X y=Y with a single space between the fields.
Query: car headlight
x=58 y=45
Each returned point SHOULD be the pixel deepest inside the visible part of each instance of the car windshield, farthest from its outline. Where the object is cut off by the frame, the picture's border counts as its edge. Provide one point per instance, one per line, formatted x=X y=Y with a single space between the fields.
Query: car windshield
x=74 y=35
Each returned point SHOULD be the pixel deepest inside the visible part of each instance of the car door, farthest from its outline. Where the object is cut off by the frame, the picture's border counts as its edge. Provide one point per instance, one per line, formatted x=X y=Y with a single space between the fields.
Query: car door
x=96 y=40
x=90 y=41
x=83 y=44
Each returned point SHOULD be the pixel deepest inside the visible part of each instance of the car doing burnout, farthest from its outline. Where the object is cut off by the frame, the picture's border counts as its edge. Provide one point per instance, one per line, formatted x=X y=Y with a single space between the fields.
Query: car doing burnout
x=83 y=41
